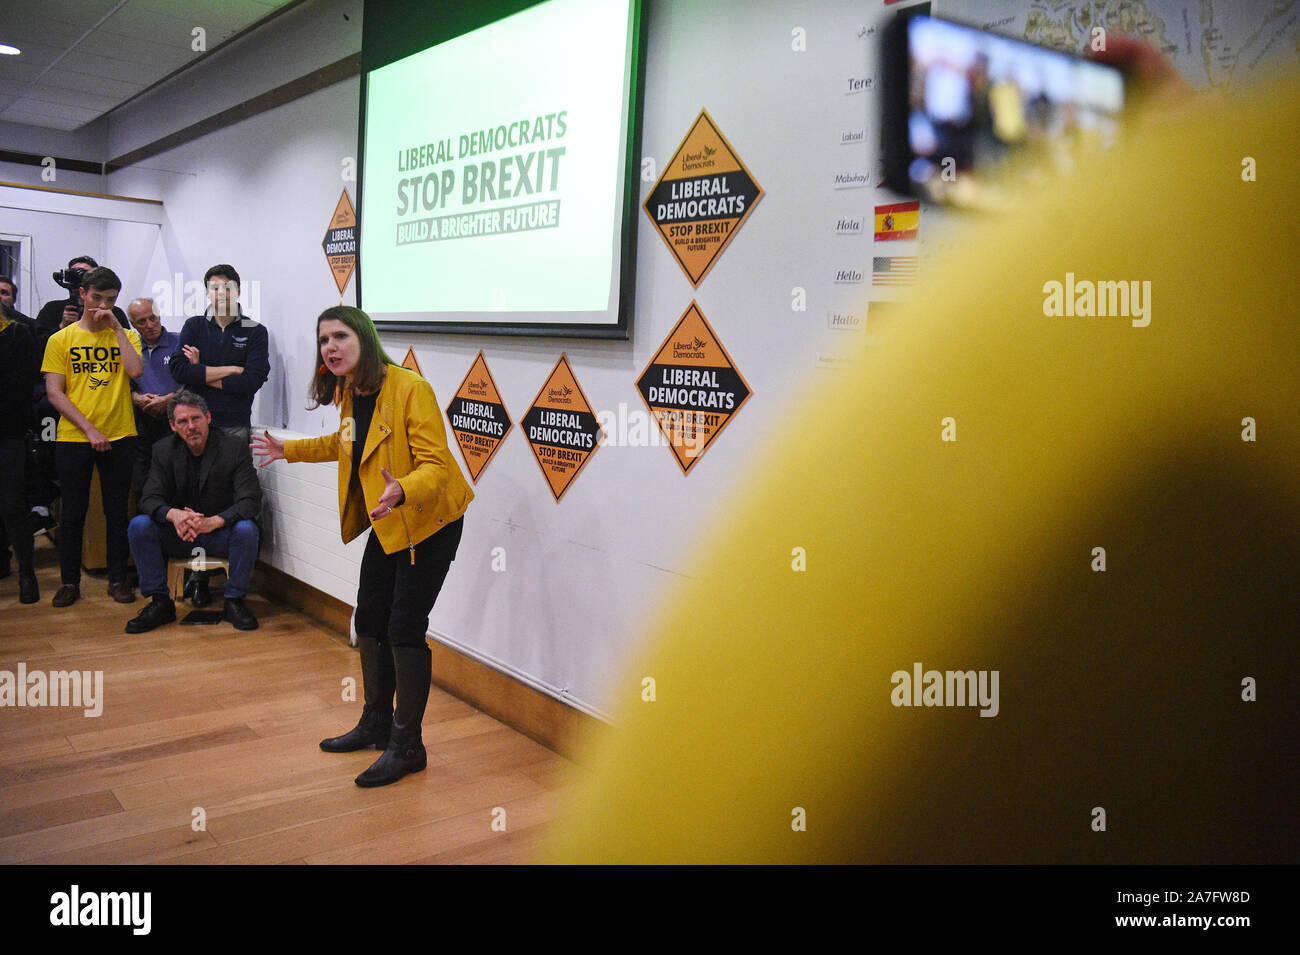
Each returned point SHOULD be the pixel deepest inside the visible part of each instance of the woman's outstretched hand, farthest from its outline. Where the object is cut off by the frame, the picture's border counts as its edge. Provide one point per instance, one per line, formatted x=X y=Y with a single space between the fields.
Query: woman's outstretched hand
x=266 y=447
x=393 y=495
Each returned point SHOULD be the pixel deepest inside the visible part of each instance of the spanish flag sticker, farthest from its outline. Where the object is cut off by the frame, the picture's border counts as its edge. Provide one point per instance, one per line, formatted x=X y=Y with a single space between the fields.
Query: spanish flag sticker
x=898 y=220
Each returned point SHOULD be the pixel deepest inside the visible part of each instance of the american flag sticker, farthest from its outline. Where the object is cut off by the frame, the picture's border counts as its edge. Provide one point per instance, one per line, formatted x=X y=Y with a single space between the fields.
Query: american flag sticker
x=896 y=270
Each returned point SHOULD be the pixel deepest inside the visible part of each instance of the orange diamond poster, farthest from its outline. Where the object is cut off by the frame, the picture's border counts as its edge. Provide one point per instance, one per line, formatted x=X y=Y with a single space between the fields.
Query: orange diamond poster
x=703 y=197
x=478 y=417
x=561 y=428
x=692 y=387
x=413 y=363
x=340 y=243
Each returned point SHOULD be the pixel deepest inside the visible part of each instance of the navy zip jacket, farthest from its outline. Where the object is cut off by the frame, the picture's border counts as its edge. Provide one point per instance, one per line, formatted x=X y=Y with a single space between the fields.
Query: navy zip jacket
x=244 y=343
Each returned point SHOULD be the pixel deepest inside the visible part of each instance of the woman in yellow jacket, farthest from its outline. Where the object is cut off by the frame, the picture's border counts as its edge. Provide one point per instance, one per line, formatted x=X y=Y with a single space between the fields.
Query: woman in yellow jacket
x=397 y=476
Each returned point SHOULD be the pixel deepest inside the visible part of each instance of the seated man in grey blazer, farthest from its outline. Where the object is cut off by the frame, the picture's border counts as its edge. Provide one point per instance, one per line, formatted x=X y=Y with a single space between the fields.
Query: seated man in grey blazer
x=202 y=492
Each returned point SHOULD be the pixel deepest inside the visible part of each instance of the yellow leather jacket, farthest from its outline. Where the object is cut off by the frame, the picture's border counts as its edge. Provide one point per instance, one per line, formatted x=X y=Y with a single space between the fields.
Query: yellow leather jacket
x=407 y=438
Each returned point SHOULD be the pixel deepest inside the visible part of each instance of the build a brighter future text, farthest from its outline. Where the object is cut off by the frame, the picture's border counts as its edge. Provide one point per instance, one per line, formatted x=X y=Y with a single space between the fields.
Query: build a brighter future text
x=516 y=159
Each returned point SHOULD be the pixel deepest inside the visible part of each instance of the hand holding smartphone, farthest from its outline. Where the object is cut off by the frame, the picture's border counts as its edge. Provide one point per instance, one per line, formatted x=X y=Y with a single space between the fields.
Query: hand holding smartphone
x=969 y=116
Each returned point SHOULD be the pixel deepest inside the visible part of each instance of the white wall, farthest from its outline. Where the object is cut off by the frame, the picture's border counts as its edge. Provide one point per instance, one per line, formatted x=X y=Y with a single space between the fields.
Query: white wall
x=583 y=576
x=54 y=239
x=259 y=196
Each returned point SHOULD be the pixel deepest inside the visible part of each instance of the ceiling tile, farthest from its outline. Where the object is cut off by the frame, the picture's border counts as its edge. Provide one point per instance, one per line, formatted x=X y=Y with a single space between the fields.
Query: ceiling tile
x=62 y=81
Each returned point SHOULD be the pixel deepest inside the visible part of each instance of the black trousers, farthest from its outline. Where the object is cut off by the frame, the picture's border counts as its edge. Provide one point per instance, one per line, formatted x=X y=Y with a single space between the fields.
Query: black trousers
x=13 y=502
x=394 y=597
x=75 y=462
x=42 y=474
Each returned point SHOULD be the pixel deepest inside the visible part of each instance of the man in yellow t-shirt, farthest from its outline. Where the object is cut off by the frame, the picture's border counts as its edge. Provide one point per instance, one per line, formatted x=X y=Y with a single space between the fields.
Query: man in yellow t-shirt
x=88 y=367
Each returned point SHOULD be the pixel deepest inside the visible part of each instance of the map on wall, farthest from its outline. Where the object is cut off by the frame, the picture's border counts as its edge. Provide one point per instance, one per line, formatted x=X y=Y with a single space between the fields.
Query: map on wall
x=1218 y=44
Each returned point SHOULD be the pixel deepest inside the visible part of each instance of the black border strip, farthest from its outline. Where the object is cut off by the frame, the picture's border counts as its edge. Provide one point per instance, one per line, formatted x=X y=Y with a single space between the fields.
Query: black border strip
x=71 y=165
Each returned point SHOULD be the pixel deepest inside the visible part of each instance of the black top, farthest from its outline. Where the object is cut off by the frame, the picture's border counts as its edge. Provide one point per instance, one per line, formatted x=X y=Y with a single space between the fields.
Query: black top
x=227 y=480
x=190 y=495
x=363 y=409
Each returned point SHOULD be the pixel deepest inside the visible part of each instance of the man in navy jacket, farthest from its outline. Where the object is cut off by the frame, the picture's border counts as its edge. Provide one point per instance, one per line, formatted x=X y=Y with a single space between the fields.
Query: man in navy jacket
x=223 y=354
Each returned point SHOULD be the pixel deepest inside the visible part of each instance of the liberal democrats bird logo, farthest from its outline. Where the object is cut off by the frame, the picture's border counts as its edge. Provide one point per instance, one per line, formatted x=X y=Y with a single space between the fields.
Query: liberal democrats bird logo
x=97 y=382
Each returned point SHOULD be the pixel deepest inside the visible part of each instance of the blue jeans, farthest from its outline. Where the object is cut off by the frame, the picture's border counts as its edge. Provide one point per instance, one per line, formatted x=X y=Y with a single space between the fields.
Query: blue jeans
x=152 y=544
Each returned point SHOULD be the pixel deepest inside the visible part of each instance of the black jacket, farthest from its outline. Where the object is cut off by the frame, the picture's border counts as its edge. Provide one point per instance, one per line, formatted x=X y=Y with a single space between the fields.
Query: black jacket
x=16 y=316
x=17 y=370
x=228 y=483
x=51 y=314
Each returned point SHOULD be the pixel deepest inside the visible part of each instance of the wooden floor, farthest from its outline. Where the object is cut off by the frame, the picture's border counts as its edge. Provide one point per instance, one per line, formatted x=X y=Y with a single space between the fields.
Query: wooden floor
x=211 y=718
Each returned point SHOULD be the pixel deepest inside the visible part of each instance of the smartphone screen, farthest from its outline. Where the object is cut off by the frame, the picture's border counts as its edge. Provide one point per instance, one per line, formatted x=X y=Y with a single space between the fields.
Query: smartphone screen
x=971 y=115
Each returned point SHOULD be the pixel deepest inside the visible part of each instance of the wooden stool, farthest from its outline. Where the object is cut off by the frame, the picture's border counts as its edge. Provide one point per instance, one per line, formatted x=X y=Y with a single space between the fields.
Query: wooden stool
x=176 y=567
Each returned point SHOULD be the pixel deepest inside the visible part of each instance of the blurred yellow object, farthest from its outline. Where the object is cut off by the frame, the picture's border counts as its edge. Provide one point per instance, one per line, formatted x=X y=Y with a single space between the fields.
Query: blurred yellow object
x=1008 y=111
x=773 y=737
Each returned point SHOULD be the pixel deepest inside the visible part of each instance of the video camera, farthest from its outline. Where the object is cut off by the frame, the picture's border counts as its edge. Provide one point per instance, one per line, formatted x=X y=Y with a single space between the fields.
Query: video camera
x=70 y=279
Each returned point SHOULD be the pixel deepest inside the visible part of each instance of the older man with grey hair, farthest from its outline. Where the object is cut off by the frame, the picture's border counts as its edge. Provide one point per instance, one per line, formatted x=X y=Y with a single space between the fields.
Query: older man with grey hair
x=149 y=392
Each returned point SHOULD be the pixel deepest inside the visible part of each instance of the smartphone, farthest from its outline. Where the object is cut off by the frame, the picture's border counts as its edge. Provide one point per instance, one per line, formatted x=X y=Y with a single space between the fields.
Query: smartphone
x=970 y=117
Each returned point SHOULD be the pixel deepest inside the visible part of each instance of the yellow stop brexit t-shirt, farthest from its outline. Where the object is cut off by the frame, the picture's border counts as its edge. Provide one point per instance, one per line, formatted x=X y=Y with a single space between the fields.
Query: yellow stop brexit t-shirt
x=94 y=380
